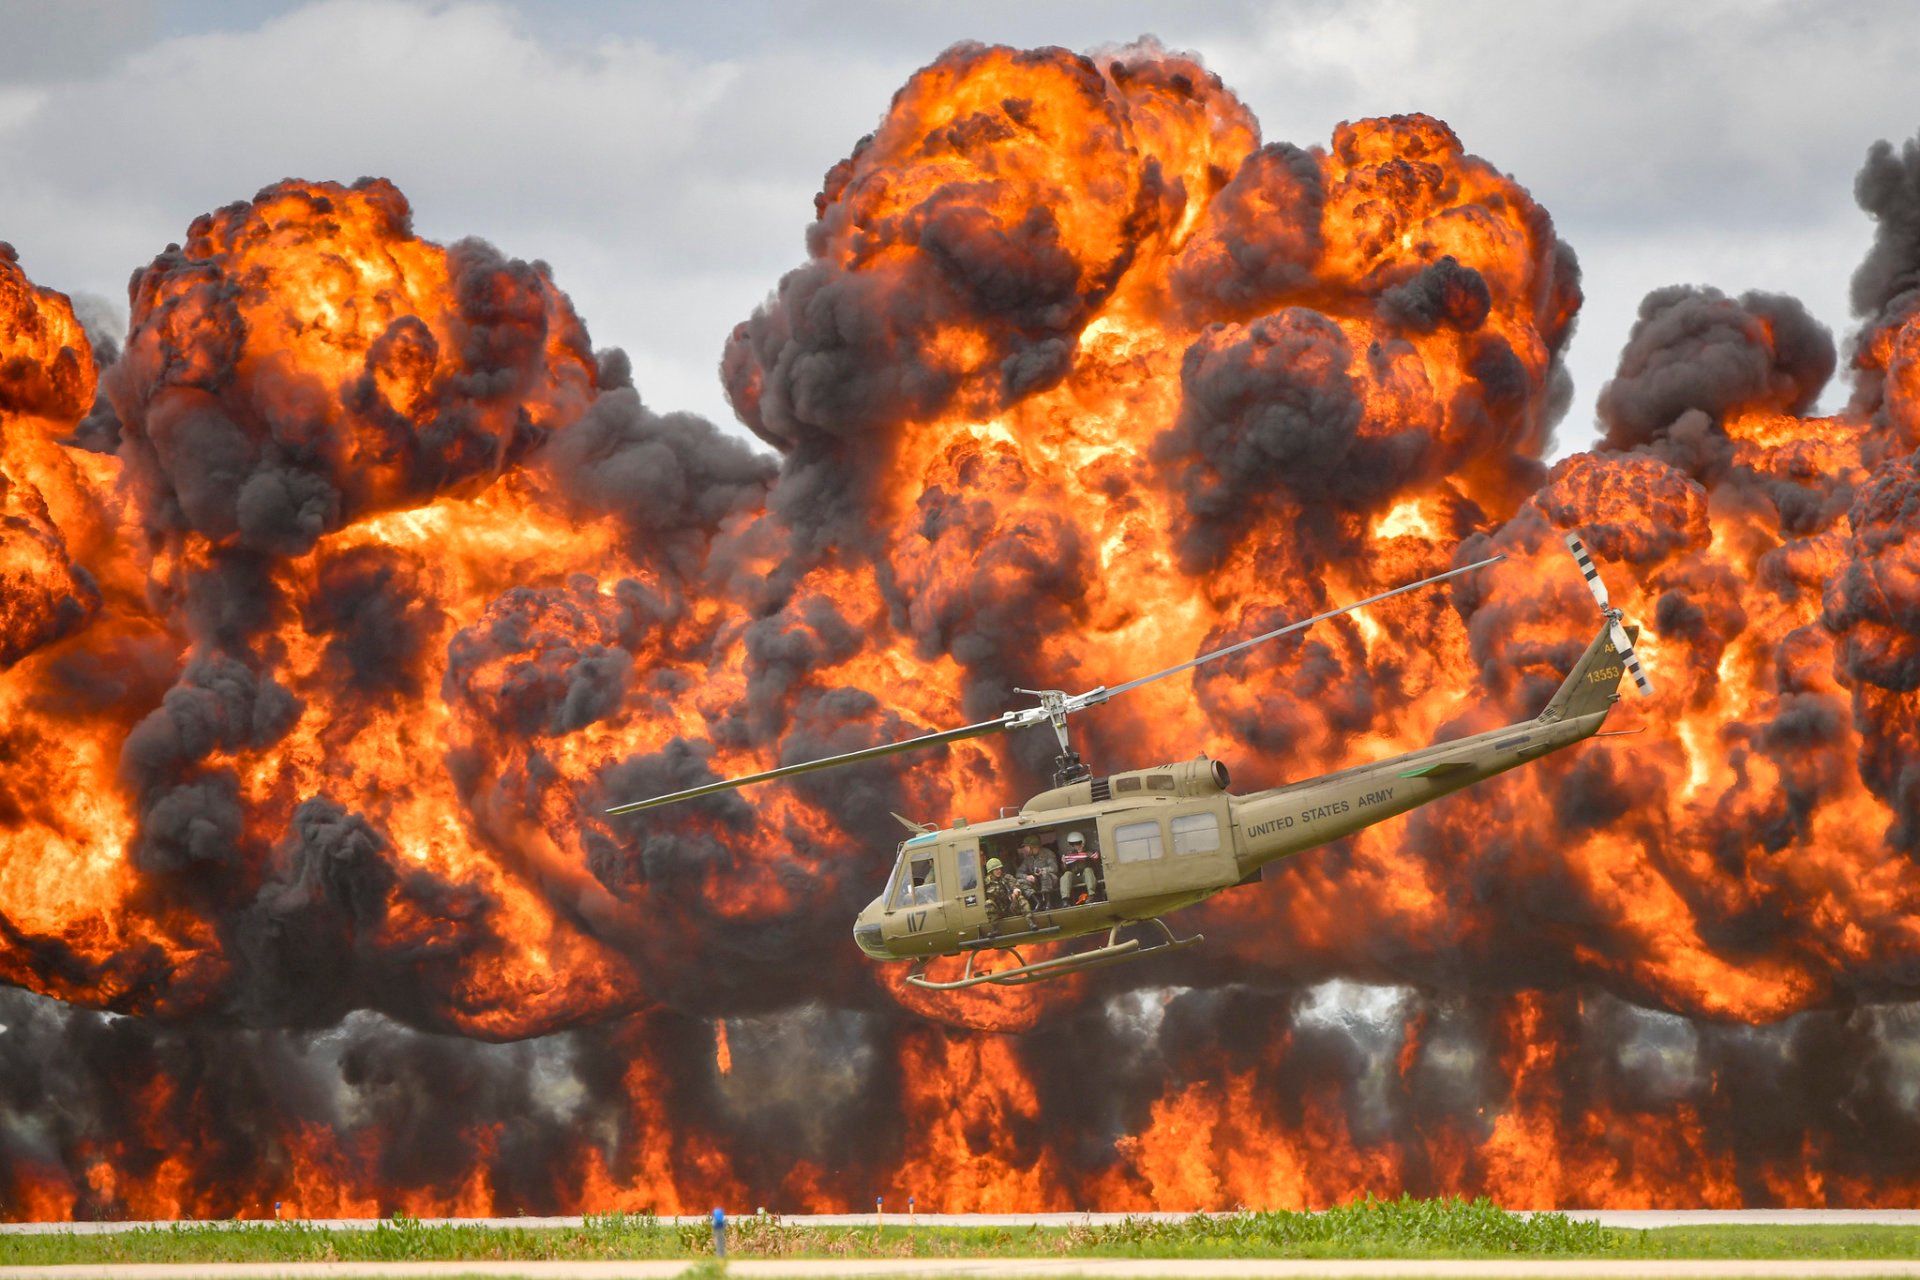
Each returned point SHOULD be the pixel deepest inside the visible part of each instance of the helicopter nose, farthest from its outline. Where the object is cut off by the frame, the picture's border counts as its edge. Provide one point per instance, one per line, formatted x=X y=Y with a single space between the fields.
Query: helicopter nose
x=866 y=932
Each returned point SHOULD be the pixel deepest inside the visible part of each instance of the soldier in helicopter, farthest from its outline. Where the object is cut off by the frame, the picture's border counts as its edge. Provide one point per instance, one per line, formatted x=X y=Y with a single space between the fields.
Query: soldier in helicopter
x=1081 y=879
x=1039 y=872
x=1005 y=894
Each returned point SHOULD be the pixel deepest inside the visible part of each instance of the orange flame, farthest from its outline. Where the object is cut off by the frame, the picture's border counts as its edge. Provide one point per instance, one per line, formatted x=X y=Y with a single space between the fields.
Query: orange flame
x=317 y=684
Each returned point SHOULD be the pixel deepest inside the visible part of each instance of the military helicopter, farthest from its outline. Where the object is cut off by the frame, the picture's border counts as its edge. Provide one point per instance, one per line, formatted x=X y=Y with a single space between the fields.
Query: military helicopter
x=1136 y=845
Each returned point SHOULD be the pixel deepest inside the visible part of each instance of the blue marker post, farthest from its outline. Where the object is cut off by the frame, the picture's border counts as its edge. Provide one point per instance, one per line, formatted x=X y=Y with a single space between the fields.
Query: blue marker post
x=879 y=1219
x=910 y=1221
x=719 y=1232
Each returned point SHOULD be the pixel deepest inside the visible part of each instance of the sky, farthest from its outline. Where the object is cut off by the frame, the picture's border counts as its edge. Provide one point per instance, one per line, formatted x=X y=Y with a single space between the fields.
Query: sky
x=663 y=157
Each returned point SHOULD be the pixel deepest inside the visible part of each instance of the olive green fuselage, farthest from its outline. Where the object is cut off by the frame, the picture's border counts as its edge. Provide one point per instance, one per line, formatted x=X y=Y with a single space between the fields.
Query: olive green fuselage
x=1173 y=835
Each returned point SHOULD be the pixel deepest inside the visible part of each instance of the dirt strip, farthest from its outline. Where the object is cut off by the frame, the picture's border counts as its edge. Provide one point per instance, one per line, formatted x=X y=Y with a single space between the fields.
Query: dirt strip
x=1627 y=1219
x=997 y=1268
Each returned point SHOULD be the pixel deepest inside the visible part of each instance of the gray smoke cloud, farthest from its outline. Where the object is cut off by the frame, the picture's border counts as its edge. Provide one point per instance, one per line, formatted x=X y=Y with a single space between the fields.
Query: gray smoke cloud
x=1412 y=1074
x=1694 y=350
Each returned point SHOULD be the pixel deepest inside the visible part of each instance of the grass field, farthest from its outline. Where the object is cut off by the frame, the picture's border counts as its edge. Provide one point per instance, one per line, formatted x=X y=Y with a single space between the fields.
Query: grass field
x=1403 y=1228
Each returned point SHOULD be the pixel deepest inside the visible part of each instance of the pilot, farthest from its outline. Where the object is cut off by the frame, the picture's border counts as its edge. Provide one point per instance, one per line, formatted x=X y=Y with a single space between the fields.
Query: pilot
x=1005 y=897
x=1083 y=869
x=1040 y=869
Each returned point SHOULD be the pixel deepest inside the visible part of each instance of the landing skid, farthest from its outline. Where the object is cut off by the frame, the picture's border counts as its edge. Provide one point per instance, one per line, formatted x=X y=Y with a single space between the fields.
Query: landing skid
x=1113 y=952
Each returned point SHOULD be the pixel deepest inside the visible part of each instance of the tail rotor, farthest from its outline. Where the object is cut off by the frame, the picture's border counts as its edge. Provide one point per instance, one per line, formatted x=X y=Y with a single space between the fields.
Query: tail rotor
x=1622 y=643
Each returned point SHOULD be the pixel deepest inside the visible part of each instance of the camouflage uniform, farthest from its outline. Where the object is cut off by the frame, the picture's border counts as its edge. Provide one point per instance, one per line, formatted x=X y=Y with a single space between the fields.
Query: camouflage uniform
x=1005 y=897
x=1040 y=868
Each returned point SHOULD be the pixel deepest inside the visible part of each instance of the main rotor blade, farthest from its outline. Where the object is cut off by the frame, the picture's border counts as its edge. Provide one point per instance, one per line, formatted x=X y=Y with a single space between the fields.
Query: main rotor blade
x=1296 y=626
x=1030 y=715
x=827 y=762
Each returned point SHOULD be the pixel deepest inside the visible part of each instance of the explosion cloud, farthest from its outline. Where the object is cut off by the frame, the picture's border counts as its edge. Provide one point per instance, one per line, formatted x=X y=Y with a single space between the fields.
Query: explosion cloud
x=336 y=619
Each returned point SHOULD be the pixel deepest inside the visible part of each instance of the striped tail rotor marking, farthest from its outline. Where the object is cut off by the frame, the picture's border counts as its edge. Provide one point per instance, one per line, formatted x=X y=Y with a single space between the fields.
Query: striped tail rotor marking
x=1627 y=655
x=1585 y=561
x=1621 y=644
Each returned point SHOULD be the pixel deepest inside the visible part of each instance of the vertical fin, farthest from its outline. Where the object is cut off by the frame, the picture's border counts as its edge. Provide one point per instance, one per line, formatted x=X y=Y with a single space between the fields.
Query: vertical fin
x=1594 y=683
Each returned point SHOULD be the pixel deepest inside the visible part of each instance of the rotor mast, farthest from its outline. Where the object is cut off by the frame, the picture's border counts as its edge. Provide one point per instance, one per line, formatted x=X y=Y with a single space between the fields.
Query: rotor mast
x=1068 y=767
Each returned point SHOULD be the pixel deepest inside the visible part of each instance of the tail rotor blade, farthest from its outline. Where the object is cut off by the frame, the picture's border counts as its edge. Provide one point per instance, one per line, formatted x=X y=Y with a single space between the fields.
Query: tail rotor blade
x=1623 y=644
x=1592 y=574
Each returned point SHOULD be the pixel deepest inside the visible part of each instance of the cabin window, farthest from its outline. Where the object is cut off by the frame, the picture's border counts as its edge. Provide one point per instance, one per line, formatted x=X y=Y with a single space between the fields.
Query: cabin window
x=1136 y=842
x=925 y=892
x=1160 y=782
x=1196 y=833
x=969 y=870
x=1127 y=784
x=916 y=888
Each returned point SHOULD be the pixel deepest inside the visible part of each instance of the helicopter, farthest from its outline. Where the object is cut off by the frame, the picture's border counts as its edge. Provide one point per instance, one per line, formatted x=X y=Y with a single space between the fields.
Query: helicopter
x=1131 y=847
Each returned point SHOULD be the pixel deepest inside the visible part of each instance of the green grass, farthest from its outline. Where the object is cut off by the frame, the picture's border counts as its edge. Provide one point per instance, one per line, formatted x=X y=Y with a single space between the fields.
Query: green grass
x=1367 y=1228
x=1771 y=1242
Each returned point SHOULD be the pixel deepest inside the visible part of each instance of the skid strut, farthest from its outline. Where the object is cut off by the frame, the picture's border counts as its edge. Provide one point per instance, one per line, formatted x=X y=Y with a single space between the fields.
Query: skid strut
x=1114 y=951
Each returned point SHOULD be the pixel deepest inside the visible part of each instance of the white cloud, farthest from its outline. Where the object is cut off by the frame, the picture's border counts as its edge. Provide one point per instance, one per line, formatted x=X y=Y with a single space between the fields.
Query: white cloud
x=665 y=164
x=47 y=42
x=1710 y=143
x=19 y=104
x=667 y=193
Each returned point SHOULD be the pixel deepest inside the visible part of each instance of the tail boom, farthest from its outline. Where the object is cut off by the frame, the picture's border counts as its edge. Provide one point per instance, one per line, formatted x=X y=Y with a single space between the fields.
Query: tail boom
x=1291 y=819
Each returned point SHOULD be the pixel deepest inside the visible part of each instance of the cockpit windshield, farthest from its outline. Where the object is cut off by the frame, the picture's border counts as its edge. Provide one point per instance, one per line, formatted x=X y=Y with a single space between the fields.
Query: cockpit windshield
x=914 y=884
x=896 y=879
